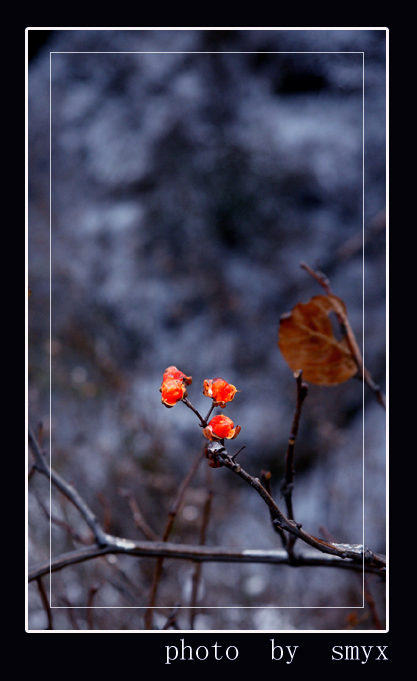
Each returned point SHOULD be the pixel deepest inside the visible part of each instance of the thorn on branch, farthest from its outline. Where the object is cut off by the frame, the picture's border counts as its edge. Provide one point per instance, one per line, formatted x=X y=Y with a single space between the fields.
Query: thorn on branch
x=238 y=452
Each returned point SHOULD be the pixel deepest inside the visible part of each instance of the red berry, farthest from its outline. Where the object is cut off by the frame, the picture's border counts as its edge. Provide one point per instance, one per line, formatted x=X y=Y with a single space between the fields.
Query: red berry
x=172 y=392
x=221 y=427
x=219 y=390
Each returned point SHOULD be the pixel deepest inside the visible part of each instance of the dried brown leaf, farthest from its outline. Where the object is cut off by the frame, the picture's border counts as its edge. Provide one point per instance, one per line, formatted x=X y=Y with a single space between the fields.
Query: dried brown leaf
x=307 y=341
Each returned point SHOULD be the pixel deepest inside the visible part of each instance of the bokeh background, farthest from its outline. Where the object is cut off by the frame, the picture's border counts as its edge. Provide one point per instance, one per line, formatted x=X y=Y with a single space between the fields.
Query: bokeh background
x=192 y=171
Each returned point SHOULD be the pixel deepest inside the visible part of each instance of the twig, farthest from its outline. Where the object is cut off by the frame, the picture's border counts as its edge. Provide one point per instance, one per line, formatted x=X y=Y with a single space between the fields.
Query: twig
x=148 y=617
x=61 y=523
x=70 y=612
x=45 y=602
x=357 y=242
x=91 y=594
x=350 y=336
x=40 y=434
x=209 y=412
x=266 y=481
x=69 y=491
x=326 y=534
x=238 y=452
x=205 y=554
x=138 y=518
x=319 y=277
x=372 y=607
x=288 y=482
x=197 y=570
x=103 y=501
x=187 y=402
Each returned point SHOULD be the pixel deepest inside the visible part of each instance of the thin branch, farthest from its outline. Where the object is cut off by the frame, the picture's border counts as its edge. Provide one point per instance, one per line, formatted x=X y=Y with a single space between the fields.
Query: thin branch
x=106 y=504
x=148 y=617
x=61 y=523
x=209 y=412
x=238 y=452
x=288 y=482
x=357 y=241
x=372 y=607
x=114 y=566
x=68 y=490
x=45 y=602
x=90 y=599
x=319 y=277
x=187 y=402
x=70 y=612
x=40 y=434
x=138 y=518
x=202 y=554
x=197 y=570
x=326 y=534
x=350 y=337
x=266 y=481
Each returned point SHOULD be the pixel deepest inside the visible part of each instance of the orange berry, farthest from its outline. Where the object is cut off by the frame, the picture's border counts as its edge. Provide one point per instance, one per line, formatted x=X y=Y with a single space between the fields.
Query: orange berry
x=221 y=427
x=220 y=391
x=176 y=374
x=172 y=392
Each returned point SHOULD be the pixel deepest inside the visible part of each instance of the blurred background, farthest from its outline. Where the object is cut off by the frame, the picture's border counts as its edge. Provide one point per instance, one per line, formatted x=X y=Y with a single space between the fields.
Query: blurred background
x=186 y=189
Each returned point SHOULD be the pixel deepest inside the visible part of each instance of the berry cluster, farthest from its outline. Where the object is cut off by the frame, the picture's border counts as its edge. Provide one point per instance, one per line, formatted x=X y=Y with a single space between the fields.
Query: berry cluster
x=174 y=389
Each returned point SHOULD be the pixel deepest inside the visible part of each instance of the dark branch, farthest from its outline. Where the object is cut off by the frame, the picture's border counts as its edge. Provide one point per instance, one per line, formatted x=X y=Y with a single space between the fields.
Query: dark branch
x=288 y=481
x=45 y=602
x=187 y=402
x=138 y=518
x=68 y=490
x=266 y=481
x=201 y=554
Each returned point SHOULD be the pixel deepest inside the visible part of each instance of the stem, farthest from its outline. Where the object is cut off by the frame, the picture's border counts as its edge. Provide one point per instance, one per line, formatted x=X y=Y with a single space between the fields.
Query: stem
x=350 y=337
x=187 y=402
x=70 y=611
x=91 y=593
x=138 y=518
x=61 y=523
x=266 y=480
x=319 y=277
x=45 y=602
x=197 y=570
x=288 y=481
x=372 y=607
x=148 y=617
x=209 y=412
